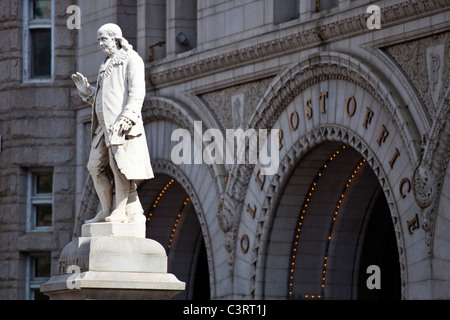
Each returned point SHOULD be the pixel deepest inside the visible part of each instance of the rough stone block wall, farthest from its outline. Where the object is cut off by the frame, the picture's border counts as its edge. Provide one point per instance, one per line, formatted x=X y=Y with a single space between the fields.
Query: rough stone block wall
x=37 y=128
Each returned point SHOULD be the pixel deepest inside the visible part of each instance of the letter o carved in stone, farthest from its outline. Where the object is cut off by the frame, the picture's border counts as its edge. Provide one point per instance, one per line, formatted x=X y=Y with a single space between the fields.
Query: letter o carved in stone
x=245 y=243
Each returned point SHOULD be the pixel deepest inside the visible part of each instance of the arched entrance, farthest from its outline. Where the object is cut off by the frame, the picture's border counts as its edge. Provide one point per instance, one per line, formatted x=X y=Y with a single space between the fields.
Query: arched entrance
x=192 y=256
x=321 y=105
x=172 y=221
x=332 y=222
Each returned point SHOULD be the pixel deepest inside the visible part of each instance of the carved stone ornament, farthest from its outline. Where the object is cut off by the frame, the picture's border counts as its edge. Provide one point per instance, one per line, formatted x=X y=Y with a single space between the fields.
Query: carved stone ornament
x=428 y=221
x=426 y=63
x=234 y=105
x=424 y=186
x=226 y=221
x=428 y=178
x=225 y=213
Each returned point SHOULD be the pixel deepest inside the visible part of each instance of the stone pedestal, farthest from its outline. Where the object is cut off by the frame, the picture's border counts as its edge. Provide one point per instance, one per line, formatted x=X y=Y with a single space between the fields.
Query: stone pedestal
x=112 y=261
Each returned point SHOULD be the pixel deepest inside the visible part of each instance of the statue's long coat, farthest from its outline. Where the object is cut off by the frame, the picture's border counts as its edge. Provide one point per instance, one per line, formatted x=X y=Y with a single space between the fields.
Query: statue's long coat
x=120 y=92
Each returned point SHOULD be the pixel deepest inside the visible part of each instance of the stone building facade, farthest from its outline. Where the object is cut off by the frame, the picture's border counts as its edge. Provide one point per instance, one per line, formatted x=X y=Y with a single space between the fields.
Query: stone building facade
x=362 y=118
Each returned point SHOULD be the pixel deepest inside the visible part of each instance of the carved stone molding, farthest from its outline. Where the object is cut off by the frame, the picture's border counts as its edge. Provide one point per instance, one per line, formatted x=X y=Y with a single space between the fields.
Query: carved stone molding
x=168 y=110
x=341 y=29
x=329 y=66
x=160 y=108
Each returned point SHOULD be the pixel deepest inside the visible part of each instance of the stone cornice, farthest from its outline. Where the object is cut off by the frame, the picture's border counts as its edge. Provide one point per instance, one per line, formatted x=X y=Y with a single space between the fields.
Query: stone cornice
x=195 y=66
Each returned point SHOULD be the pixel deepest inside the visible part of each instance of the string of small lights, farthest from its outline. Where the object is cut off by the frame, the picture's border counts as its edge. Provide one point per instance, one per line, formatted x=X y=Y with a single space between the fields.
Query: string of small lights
x=175 y=224
x=301 y=216
x=177 y=219
x=158 y=199
x=333 y=220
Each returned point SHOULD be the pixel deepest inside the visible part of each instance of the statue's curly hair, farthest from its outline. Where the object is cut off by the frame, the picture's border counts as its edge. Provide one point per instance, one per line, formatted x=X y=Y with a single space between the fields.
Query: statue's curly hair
x=115 y=32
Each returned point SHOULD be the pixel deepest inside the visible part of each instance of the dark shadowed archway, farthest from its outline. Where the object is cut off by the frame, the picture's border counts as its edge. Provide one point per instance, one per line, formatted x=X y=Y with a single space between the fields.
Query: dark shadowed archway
x=172 y=221
x=332 y=222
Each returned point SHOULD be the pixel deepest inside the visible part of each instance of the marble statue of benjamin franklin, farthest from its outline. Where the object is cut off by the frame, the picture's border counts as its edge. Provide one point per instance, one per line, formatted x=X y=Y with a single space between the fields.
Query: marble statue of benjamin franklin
x=118 y=138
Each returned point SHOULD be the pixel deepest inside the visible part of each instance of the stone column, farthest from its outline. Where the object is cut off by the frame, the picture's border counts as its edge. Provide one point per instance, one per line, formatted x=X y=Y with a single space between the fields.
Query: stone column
x=112 y=261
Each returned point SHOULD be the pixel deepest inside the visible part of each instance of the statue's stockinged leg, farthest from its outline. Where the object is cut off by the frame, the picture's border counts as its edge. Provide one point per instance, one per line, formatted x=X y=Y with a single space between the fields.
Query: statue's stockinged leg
x=104 y=191
x=98 y=161
x=134 y=208
x=122 y=187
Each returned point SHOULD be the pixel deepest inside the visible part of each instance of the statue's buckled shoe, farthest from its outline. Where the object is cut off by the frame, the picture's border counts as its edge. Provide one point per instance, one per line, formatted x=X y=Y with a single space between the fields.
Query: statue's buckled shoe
x=117 y=216
x=138 y=218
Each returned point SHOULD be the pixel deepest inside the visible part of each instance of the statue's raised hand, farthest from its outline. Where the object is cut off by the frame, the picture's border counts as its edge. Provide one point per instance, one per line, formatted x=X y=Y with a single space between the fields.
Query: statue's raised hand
x=81 y=82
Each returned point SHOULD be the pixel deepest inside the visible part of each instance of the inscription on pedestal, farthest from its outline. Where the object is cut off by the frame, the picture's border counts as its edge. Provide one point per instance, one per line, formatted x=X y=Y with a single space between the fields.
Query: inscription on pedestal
x=82 y=262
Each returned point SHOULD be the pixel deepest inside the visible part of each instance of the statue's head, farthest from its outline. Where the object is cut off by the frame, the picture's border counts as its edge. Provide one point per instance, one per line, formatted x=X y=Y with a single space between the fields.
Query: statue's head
x=110 y=39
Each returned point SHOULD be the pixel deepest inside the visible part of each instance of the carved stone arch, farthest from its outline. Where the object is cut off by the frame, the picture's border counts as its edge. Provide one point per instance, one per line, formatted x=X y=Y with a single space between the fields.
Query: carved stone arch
x=288 y=163
x=326 y=66
x=177 y=115
x=161 y=108
x=296 y=79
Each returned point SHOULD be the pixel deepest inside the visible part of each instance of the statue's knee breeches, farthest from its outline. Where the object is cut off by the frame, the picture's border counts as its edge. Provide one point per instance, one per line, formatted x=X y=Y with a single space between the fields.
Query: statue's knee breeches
x=98 y=158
